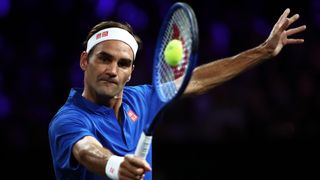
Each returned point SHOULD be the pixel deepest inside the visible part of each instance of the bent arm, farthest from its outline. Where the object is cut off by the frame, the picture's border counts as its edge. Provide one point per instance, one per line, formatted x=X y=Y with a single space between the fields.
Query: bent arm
x=90 y=153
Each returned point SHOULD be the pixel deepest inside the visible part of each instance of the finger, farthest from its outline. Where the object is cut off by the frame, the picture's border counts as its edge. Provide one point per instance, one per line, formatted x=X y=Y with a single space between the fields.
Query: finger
x=295 y=30
x=293 y=19
x=126 y=178
x=123 y=172
x=133 y=169
x=284 y=26
x=126 y=174
x=283 y=16
x=138 y=162
x=295 y=41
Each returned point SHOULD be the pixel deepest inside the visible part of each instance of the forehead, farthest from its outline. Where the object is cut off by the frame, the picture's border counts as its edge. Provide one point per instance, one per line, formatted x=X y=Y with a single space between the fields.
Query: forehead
x=114 y=47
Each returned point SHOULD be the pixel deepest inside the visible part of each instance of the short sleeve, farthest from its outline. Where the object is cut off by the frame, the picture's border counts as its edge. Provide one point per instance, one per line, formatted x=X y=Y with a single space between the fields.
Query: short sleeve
x=65 y=130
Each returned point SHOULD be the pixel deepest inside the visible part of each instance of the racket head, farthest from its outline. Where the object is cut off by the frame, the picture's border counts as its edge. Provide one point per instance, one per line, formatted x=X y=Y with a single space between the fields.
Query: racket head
x=170 y=82
x=180 y=23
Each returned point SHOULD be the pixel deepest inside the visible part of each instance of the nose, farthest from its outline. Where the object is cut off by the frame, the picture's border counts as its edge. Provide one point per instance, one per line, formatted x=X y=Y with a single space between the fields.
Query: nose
x=112 y=69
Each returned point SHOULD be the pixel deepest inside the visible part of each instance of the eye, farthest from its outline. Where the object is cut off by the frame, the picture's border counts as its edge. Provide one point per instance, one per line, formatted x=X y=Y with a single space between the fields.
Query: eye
x=105 y=59
x=124 y=63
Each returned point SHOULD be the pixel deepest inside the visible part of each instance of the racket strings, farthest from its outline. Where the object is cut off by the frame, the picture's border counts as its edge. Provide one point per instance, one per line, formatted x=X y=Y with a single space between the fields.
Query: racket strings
x=170 y=78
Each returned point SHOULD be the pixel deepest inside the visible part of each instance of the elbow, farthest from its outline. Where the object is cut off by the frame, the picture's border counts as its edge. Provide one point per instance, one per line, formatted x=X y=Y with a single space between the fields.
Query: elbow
x=195 y=88
x=80 y=153
x=200 y=87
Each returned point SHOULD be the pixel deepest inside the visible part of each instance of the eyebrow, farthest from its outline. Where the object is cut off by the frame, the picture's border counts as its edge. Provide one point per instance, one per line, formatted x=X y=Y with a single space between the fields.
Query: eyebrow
x=104 y=53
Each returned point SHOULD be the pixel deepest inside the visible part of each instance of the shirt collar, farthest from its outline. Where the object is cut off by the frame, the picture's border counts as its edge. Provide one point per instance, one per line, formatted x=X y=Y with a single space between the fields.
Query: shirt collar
x=76 y=97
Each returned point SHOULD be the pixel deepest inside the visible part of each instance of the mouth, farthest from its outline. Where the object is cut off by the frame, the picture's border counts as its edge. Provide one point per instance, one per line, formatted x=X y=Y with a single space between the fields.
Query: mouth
x=108 y=81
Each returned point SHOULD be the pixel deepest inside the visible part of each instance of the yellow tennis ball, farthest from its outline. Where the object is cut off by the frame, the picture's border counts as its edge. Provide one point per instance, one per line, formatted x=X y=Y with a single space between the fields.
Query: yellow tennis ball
x=173 y=52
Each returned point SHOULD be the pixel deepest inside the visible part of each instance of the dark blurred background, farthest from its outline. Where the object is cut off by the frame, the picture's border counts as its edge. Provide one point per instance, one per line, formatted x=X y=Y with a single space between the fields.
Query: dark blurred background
x=263 y=124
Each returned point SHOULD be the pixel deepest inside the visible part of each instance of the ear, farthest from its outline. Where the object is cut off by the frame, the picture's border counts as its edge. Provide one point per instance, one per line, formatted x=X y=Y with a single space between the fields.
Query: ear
x=128 y=78
x=84 y=60
x=131 y=73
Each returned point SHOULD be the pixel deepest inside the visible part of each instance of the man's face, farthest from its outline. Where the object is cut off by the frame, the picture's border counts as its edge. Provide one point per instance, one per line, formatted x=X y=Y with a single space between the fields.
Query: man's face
x=108 y=69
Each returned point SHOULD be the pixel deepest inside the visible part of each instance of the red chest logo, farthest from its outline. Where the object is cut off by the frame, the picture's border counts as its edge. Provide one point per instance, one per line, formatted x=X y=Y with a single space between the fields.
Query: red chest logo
x=132 y=116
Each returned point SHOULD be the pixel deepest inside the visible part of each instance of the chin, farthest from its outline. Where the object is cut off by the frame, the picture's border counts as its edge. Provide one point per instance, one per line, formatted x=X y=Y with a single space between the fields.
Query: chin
x=107 y=93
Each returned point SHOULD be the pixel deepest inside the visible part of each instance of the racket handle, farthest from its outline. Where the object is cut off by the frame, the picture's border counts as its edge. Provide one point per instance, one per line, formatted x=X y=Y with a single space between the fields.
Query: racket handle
x=143 y=146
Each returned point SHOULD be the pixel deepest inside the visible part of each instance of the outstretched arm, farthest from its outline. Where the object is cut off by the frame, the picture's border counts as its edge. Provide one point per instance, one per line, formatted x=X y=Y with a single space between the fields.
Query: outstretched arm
x=208 y=76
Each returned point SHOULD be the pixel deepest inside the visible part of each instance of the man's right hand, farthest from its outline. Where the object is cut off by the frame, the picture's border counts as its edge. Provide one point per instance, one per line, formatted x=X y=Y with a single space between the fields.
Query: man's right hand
x=133 y=167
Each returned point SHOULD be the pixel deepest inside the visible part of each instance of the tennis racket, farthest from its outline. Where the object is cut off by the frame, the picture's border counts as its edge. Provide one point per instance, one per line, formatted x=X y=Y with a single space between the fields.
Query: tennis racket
x=170 y=81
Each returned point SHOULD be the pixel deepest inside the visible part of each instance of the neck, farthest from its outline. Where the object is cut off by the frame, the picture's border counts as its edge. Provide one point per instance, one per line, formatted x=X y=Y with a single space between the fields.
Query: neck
x=111 y=102
x=116 y=104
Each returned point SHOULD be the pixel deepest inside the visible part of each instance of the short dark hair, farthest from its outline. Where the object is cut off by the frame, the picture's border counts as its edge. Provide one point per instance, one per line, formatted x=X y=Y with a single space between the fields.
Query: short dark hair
x=108 y=24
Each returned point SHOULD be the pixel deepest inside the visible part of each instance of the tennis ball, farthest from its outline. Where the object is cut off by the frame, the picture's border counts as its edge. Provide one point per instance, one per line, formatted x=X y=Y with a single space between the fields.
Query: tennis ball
x=173 y=52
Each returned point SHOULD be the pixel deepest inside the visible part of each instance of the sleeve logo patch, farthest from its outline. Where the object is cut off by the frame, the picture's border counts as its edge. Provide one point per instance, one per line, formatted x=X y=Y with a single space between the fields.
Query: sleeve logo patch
x=132 y=116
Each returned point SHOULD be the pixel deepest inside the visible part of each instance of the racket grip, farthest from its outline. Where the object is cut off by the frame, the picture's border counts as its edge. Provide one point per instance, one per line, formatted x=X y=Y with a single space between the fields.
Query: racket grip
x=143 y=146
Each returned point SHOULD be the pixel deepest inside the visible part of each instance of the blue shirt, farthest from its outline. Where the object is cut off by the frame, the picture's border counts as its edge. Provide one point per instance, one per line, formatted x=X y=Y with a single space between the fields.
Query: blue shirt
x=79 y=117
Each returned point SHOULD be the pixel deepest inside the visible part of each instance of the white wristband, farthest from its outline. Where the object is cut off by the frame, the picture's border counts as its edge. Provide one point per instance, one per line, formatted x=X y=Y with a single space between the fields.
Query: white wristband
x=112 y=167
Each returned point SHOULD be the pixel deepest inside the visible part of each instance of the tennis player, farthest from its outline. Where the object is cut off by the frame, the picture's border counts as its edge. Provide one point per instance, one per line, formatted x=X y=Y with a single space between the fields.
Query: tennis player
x=95 y=133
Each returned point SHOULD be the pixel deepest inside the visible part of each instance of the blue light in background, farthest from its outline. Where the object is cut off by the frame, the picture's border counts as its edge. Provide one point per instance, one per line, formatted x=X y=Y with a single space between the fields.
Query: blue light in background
x=163 y=6
x=45 y=50
x=220 y=37
x=260 y=27
x=316 y=12
x=75 y=74
x=135 y=16
x=5 y=106
x=105 y=8
x=4 y=7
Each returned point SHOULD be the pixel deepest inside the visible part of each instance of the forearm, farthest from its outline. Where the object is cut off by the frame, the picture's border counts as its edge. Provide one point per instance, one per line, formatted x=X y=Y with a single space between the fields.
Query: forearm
x=208 y=76
x=91 y=155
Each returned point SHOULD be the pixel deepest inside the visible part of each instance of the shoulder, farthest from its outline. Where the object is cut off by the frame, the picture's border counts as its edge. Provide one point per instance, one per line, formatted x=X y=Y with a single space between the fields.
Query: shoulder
x=139 y=90
x=68 y=115
x=139 y=93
